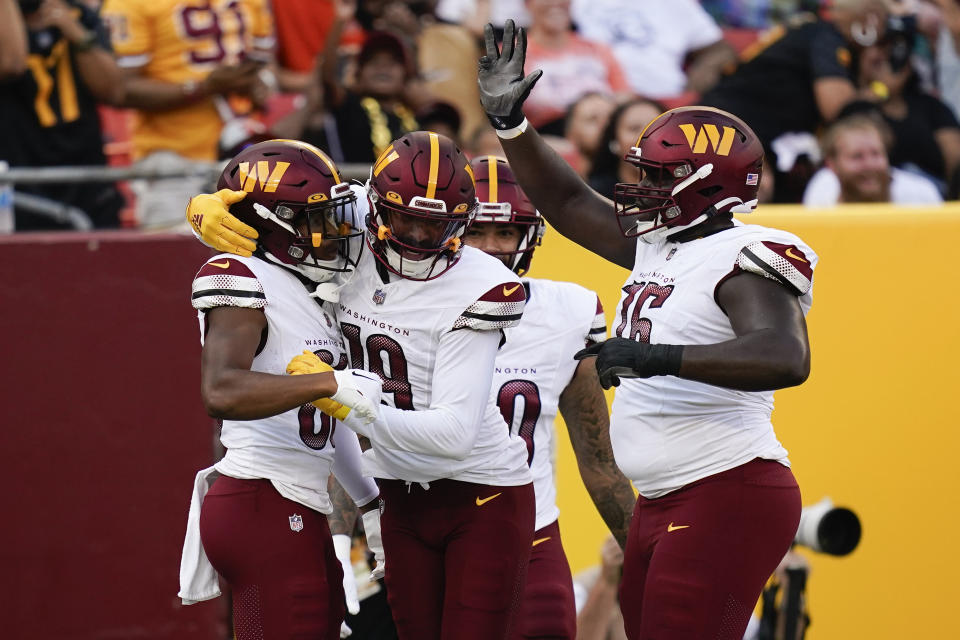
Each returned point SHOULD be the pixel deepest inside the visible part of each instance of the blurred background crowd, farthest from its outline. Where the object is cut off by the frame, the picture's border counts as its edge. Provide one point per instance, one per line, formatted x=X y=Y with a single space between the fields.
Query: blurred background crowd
x=854 y=100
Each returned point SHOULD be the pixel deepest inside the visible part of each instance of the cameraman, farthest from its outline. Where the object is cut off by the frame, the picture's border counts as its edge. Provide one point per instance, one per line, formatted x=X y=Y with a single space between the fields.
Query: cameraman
x=55 y=66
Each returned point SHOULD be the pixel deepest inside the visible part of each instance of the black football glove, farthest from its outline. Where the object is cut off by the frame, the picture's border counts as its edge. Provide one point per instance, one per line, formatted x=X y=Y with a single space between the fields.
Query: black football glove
x=503 y=88
x=621 y=358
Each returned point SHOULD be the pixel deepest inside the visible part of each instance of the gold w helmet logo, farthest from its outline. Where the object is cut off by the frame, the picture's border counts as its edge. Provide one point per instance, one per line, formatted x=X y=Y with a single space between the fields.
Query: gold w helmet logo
x=708 y=134
x=251 y=175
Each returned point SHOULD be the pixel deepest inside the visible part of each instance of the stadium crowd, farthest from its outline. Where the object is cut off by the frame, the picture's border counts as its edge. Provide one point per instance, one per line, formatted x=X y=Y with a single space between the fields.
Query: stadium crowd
x=181 y=85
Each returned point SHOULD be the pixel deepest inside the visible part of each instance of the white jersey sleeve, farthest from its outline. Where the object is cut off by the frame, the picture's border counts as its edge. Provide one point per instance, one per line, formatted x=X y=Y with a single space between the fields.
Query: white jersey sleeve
x=460 y=392
x=227 y=281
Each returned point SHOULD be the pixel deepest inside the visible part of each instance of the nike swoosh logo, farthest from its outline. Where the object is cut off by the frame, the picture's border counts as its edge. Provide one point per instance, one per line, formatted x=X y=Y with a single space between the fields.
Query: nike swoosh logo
x=790 y=254
x=507 y=292
x=536 y=542
x=222 y=265
x=670 y=527
x=480 y=502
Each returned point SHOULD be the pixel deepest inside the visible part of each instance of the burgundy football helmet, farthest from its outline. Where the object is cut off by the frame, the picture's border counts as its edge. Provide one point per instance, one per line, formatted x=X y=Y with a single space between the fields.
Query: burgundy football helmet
x=422 y=197
x=296 y=200
x=695 y=162
x=502 y=201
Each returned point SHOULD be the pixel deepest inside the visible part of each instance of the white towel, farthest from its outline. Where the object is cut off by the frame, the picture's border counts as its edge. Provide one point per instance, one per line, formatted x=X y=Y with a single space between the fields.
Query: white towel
x=198 y=578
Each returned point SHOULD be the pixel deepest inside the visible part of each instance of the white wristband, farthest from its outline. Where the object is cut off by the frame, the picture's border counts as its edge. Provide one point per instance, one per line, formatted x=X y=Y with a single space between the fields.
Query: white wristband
x=509 y=134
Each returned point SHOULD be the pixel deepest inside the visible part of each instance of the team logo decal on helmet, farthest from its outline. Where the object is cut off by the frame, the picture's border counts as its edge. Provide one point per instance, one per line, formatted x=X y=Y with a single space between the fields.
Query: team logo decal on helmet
x=502 y=201
x=694 y=162
x=305 y=214
x=422 y=197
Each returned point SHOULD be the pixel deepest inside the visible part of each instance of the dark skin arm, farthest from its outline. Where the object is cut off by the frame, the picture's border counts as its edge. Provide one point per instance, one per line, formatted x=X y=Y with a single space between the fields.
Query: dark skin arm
x=566 y=201
x=770 y=351
x=230 y=389
x=573 y=208
x=584 y=410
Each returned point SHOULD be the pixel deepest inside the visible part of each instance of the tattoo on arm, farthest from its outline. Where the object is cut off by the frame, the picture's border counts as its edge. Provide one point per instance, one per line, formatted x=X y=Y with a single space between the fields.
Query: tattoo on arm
x=344 y=516
x=584 y=410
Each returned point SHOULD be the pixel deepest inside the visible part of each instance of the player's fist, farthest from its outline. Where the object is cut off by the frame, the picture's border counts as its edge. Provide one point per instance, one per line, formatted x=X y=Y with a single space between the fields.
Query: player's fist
x=308 y=362
x=213 y=224
x=622 y=358
x=360 y=391
x=503 y=87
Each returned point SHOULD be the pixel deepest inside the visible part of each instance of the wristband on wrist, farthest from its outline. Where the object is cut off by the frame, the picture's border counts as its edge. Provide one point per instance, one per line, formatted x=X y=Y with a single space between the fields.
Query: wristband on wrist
x=509 y=134
x=660 y=360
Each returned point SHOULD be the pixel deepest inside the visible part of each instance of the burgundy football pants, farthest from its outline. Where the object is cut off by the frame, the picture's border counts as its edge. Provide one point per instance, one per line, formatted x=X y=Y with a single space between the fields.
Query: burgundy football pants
x=457 y=556
x=697 y=558
x=277 y=555
x=547 y=607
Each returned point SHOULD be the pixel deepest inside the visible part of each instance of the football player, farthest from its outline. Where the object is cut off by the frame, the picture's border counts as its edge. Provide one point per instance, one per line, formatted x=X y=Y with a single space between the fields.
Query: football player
x=426 y=314
x=261 y=524
x=711 y=321
x=535 y=376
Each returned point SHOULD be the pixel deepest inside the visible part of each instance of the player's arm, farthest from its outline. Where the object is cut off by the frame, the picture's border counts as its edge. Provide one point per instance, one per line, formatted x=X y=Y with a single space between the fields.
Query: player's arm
x=230 y=389
x=573 y=208
x=13 y=40
x=584 y=410
x=462 y=377
x=770 y=351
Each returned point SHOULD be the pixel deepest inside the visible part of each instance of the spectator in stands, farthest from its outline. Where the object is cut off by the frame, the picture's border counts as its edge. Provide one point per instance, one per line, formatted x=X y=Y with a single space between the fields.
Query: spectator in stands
x=667 y=48
x=572 y=65
x=857 y=168
x=585 y=121
x=302 y=27
x=799 y=76
x=187 y=71
x=441 y=117
x=926 y=134
x=623 y=129
x=55 y=66
x=369 y=110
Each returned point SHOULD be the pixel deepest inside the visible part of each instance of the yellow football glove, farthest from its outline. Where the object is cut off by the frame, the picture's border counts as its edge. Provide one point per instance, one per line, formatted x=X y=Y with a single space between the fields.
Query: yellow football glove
x=210 y=218
x=308 y=362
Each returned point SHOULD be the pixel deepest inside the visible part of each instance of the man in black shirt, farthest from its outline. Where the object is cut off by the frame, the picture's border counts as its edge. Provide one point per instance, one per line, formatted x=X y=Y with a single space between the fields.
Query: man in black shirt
x=48 y=110
x=801 y=75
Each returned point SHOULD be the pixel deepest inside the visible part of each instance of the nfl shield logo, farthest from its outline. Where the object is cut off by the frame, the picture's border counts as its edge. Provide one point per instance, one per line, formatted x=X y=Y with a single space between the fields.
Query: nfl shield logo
x=296 y=523
x=379 y=296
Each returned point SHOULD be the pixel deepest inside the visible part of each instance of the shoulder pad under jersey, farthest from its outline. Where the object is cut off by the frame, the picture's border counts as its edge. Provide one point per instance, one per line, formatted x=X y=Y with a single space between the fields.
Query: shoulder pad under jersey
x=227 y=282
x=499 y=308
x=785 y=263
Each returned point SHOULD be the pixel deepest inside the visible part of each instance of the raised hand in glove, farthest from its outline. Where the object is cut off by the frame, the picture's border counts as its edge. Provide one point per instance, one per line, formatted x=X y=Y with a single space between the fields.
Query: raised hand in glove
x=213 y=224
x=371 y=528
x=357 y=391
x=503 y=88
x=621 y=358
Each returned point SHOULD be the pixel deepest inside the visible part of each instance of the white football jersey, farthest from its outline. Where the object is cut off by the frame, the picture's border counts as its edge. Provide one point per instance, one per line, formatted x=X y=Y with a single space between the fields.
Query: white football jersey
x=668 y=432
x=295 y=450
x=394 y=329
x=534 y=367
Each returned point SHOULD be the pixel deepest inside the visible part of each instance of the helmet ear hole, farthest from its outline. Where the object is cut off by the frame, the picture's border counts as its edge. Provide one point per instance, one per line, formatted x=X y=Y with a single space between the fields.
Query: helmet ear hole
x=709 y=191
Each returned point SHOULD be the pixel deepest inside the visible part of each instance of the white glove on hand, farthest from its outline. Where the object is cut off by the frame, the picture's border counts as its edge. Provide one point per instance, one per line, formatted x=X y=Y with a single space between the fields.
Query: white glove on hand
x=371 y=527
x=345 y=631
x=360 y=391
x=341 y=545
